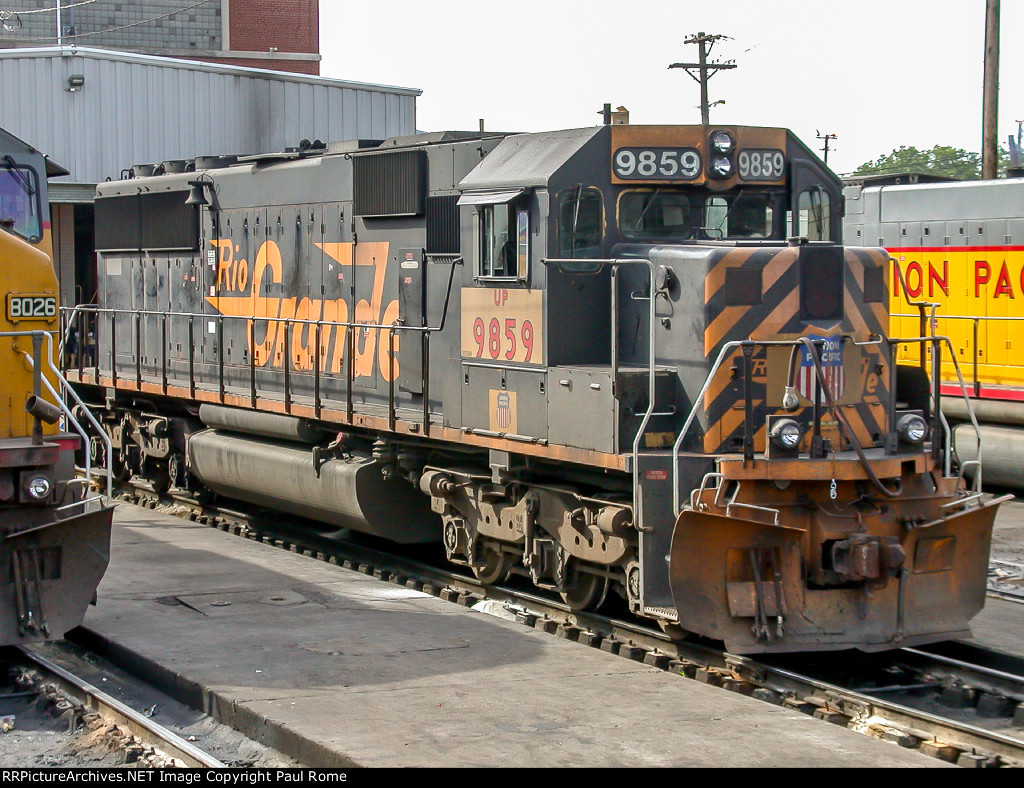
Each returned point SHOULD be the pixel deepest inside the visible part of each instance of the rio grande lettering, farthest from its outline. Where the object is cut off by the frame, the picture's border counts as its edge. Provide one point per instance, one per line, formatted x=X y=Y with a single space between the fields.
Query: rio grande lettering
x=268 y=315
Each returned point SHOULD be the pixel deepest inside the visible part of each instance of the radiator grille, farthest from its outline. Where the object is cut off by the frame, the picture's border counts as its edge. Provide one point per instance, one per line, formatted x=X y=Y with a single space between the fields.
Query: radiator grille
x=390 y=184
x=443 y=225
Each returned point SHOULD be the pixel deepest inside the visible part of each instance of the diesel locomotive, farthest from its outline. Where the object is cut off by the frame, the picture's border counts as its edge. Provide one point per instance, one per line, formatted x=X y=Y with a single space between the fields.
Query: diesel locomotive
x=957 y=252
x=54 y=531
x=622 y=359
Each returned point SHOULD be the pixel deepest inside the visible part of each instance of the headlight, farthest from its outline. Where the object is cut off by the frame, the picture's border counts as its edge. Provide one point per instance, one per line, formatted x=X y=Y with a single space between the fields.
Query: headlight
x=786 y=434
x=912 y=428
x=722 y=167
x=39 y=487
x=721 y=142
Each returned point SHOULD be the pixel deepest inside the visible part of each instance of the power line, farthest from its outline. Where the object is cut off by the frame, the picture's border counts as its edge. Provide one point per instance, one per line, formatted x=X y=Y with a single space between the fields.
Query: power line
x=109 y=29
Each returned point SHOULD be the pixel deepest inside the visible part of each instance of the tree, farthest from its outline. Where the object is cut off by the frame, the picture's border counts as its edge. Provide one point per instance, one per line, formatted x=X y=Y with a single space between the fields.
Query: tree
x=940 y=160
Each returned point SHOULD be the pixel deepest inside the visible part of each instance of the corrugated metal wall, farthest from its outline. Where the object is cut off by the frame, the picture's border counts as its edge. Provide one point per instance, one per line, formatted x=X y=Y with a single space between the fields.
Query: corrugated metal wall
x=137 y=109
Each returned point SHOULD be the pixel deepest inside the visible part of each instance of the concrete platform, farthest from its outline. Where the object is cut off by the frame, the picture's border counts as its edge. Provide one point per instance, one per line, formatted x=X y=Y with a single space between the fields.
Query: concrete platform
x=349 y=670
x=1000 y=625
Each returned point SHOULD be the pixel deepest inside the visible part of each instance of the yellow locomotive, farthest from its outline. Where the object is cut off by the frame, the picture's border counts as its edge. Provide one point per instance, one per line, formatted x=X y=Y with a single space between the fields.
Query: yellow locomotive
x=54 y=534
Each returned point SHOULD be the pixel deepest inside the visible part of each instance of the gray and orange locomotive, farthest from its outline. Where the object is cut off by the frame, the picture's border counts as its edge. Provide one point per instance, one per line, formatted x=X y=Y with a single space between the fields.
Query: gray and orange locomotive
x=626 y=359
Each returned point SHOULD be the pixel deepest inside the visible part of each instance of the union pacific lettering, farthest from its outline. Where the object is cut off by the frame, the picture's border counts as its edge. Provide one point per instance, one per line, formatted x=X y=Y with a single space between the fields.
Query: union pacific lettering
x=958 y=272
x=265 y=328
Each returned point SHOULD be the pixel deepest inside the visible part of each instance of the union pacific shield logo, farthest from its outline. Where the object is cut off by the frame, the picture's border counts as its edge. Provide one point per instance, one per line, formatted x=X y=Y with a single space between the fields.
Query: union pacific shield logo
x=502 y=416
x=503 y=411
x=831 y=364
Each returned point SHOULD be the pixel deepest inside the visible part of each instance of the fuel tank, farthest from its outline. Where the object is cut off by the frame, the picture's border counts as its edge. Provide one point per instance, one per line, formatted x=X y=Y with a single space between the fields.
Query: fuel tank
x=349 y=491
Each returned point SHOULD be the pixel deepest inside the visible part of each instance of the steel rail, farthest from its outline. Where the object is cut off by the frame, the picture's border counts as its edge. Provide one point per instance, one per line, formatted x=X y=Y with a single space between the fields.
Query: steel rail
x=168 y=742
x=867 y=709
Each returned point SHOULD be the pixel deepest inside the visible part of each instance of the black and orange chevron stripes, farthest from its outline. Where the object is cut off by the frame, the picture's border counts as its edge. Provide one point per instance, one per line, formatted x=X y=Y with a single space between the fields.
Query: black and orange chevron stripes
x=779 y=317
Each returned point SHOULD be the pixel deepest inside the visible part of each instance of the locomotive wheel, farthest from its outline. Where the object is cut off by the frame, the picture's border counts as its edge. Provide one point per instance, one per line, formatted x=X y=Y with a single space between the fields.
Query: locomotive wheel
x=496 y=568
x=158 y=477
x=583 y=591
x=119 y=465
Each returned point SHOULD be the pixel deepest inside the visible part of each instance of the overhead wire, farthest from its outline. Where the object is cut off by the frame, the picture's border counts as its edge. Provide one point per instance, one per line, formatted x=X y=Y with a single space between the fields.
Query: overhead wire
x=105 y=30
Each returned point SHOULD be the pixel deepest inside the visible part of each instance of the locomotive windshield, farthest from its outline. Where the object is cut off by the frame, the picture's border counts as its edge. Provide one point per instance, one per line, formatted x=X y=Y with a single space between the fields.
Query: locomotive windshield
x=658 y=215
x=19 y=200
x=745 y=214
x=676 y=215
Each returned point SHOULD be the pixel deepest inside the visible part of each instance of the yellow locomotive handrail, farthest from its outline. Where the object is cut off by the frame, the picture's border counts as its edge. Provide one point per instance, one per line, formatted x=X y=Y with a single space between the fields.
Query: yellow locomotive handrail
x=38 y=338
x=975 y=344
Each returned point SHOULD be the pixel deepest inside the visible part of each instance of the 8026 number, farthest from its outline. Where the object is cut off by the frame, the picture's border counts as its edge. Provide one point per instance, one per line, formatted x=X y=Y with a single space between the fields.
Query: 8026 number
x=514 y=343
x=31 y=307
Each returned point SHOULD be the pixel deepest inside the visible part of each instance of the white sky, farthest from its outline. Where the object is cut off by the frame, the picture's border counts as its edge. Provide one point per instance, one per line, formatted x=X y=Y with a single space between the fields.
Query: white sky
x=879 y=73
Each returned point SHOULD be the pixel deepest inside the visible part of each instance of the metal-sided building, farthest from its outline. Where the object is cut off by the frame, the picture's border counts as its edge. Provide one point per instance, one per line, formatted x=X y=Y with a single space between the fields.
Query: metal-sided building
x=97 y=112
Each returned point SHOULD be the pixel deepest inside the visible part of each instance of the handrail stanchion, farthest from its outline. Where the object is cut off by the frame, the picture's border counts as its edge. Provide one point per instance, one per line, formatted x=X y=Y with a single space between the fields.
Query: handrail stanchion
x=286 y=364
x=350 y=374
x=977 y=381
x=426 y=382
x=138 y=351
x=220 y=357
x=113 y=349
x=391 y=381
x=163 y=357
x=191 y=357
x=252 y=361
x=316 y=369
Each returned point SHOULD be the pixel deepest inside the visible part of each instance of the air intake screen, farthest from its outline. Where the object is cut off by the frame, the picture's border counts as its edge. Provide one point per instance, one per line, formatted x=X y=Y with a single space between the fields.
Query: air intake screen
x=821 y=284
x=443 y=225
x=117 y=223
x=390 y=184
x=168 y=223
x=146 y=221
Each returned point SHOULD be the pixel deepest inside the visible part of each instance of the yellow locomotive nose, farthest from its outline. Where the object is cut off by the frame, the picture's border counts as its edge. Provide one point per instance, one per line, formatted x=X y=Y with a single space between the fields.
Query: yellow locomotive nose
x=29 y=285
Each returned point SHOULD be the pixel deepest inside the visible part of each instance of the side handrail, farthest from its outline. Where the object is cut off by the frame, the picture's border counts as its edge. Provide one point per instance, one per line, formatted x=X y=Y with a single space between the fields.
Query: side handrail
x=316 y=326
x=651 y=357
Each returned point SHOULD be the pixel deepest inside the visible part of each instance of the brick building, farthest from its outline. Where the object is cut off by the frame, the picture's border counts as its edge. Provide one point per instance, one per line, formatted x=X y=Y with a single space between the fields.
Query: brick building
x=282 y=35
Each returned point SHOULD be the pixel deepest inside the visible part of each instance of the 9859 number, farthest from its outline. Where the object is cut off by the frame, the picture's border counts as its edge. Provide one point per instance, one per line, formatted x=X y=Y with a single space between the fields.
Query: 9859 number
x=761 y=165
x=656 y=163
x=514 y=343
x=29 y=307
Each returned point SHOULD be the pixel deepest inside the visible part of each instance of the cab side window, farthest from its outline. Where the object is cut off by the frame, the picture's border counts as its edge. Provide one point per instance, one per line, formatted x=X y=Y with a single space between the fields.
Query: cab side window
x=580 y=223
x=504 y=239
x=814 y=215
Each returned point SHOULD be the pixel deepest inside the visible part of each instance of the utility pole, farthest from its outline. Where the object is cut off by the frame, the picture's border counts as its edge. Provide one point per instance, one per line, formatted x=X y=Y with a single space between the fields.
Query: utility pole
x=704 y=69
x=60 y=39
x=827 y=138
x=990 y=111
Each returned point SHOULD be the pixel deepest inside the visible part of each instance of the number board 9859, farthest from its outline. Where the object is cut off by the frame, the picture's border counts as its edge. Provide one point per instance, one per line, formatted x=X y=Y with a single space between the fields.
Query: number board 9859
x=656 y=164
x=31 y=307
x=760 y=165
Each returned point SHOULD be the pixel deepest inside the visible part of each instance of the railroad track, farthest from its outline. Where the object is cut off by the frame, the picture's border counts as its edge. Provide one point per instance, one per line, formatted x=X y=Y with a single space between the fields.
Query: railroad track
x=1006 y=580
x=81 y=697
x=957 y=702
